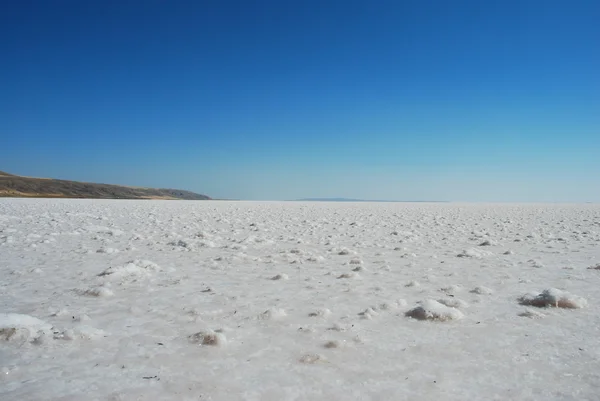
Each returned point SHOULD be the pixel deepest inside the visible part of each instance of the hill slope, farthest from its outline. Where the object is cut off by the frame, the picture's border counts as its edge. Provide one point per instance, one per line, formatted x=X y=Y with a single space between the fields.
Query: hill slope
x=28 y=187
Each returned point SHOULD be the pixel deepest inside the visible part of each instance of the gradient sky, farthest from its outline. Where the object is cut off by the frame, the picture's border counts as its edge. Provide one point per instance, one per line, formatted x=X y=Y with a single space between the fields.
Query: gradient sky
x=408 y=100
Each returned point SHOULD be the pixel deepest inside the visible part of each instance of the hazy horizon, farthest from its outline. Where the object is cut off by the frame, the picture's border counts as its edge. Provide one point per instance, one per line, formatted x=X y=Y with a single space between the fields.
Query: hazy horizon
x=459 y=101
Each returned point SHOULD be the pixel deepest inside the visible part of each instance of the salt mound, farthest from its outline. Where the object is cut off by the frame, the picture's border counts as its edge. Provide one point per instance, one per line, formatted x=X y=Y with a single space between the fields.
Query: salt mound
x=105 y=230
x=82 y=332
x=58 y=312
x=81 y=318
x=208 y=337
x=272 y=314
x=344 y=251
x=307 y=329
x=433 y=310
x=368 y=313
x=532 y=314
x=482 y=291
x=401 y=302
x=320 y=313
x=107 y=250
x=335 y=344
x=100 y=291
x=474 y=253
x=206 y=244
x=88 y=333
x=338 y=327
x=451 y=289
x=454 y=303
x=312 y=358
x=181 y=244
x=18 y=327
x=554 y=298
x=386 y=306
x=132 y=269
x=413 y=283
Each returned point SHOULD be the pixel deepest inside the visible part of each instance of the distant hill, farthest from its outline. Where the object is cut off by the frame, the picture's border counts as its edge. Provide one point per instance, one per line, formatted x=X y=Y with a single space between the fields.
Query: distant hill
x=15 y=186
x=330 y=200
x=357 y=200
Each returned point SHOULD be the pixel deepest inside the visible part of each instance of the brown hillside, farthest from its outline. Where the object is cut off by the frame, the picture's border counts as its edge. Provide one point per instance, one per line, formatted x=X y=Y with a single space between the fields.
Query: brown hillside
x=27 y=187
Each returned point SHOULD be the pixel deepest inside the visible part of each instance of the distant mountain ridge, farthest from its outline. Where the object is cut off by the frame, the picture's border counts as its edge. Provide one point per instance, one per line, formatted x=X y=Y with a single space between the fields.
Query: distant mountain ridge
x=355 y=200
x=14 y=186
x=330 y=200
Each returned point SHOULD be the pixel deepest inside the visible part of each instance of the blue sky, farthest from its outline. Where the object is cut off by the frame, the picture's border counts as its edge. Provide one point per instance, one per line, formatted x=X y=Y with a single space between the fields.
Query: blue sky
x=409 y=100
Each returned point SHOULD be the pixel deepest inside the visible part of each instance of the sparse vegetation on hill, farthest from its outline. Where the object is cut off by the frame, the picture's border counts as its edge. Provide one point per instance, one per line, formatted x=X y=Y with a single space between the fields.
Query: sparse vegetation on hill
x=27 y=187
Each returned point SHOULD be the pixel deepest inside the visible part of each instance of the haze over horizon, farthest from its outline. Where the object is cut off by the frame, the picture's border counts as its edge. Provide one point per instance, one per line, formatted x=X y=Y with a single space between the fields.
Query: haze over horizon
x=397 y=100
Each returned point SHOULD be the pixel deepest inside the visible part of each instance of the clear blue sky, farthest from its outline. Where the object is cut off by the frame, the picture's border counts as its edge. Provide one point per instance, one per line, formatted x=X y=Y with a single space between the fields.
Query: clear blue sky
x=447 y=100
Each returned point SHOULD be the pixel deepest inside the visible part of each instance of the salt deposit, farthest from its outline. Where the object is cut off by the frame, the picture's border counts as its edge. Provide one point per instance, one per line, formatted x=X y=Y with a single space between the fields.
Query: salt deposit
x=159 y=300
